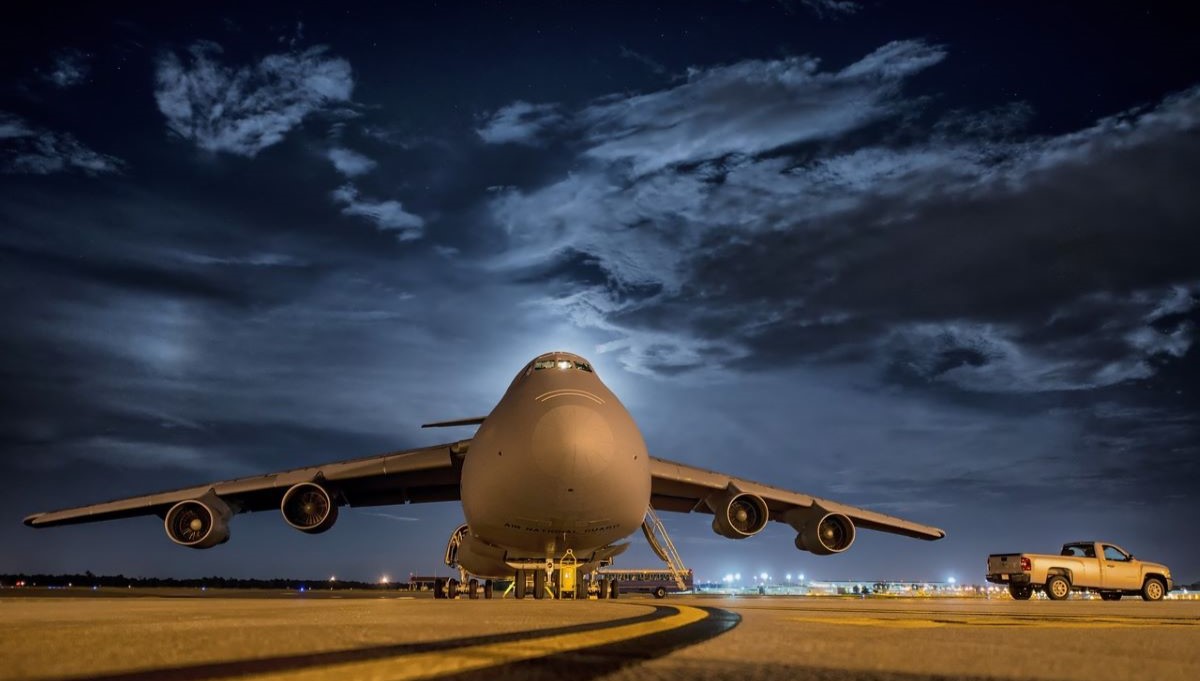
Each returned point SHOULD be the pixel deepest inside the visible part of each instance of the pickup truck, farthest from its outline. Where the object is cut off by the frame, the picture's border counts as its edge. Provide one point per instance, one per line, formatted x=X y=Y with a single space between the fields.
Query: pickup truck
x=1099 y=566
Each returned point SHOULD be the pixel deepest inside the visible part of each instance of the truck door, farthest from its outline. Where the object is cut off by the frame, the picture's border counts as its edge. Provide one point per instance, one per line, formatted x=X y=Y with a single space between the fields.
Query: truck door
x=1119 y=570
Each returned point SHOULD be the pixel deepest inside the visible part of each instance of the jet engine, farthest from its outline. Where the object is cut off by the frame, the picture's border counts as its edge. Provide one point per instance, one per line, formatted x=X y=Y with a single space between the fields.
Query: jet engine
x=309 y=507
x=199 y=523
x=737 y=514
x=819 y=531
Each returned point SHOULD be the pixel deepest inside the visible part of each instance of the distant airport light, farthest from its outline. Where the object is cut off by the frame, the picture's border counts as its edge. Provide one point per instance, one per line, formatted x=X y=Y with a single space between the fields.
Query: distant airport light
x=802 y=576
x=333 y=578
x=737 y=577
x=789 y=576
x=951 y=580
x=764 y=576
x=383 y=579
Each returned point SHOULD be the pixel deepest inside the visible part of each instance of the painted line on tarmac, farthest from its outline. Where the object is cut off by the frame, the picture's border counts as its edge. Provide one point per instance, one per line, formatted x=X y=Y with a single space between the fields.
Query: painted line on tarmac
x=997 y=621
x=641 y=637
x=502 y=659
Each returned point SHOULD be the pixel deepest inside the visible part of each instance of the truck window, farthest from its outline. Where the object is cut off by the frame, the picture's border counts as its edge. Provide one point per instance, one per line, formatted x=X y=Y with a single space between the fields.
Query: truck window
x=1113 y=553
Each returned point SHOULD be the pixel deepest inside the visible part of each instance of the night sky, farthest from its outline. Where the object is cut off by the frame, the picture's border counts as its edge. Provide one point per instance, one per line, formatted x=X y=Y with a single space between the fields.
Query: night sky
x=937 y=260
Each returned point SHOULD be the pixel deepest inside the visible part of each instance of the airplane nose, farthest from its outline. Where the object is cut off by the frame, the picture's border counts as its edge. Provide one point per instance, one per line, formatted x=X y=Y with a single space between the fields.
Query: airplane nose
x=573 y=443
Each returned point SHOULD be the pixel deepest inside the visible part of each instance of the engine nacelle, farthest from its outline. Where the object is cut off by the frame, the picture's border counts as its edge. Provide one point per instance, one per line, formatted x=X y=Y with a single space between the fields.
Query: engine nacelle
x=819 y=531
x=199 y=523
x=309 y=507
x=737 y=514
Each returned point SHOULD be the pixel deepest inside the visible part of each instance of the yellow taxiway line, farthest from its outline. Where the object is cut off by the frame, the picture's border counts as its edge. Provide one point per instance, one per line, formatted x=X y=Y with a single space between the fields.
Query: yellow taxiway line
x=415 y=667
x=1001 y=621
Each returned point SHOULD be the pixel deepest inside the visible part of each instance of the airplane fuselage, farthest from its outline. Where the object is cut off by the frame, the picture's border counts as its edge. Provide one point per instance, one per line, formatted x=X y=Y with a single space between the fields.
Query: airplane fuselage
x=558 y=464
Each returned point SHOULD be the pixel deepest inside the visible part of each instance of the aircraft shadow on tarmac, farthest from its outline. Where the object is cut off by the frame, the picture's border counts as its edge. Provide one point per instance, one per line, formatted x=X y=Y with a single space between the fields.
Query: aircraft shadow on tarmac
x=580 y=664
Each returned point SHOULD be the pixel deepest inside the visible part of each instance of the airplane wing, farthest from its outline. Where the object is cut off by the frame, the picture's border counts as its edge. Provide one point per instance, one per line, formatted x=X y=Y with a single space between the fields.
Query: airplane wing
x=683 y=488
x=411 y=476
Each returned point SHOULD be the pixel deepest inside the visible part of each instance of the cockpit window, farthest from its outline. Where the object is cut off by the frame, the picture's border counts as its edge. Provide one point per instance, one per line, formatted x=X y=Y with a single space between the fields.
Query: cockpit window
x=561 y=363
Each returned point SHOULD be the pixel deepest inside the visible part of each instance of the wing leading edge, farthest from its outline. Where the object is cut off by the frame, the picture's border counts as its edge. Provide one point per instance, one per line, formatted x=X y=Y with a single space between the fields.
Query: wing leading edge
x=682 y=488
x=411 y=476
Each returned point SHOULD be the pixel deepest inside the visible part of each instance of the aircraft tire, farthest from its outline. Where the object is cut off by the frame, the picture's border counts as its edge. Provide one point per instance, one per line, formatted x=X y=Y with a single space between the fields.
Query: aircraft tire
x=660 y=592
x=452 y=588
x=519 y=585
x=539 y=584
x=614 y=588
x=473 y=589
x=602 y=592
x=487 y=589
x=439 y=587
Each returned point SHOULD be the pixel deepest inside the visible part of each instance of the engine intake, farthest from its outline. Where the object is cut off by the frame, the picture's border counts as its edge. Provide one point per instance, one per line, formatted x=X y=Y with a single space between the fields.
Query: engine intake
x=309 y=507
x=737 y=514
x=199 y=523
x=819 y=531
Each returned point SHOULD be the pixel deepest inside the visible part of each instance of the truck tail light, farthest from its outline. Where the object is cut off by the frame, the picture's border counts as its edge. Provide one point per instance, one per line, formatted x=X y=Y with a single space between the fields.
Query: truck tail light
x=1025 y=564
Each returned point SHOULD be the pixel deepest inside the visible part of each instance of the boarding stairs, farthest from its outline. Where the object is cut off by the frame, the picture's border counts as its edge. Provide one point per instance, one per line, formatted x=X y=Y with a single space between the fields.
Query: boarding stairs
x=660 y=542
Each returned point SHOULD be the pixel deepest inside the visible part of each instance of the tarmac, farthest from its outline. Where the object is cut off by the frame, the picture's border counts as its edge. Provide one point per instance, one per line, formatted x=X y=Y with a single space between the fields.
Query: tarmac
x=189 y=635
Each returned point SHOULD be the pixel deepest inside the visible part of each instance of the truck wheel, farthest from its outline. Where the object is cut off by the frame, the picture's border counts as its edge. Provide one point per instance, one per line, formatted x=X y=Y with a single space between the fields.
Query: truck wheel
x=660 y=592
x=1153 y=589
x=1058 y=588
x=1020 y=592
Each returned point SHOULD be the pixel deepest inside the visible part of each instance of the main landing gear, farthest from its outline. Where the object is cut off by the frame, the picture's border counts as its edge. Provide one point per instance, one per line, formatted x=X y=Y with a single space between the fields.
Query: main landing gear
x=453 y=588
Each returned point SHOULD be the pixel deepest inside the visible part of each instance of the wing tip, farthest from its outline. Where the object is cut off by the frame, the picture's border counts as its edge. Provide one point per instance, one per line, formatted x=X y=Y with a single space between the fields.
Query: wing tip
x=32 y=520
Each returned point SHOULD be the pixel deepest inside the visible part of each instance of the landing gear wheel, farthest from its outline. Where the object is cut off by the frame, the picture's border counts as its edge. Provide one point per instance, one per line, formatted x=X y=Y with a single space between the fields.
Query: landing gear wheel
x=660 y=592
x=602 y=591
x=519 y=585
x=1110 y=596
x=1058 y=588
x=473 y=589
x=1020 y=592
x=439 y=587
x=1153 y=589
x=613 y=589
x=452 y=588
x=487 y=589
x=580 y=588
x=555 y=587
x=539 y=584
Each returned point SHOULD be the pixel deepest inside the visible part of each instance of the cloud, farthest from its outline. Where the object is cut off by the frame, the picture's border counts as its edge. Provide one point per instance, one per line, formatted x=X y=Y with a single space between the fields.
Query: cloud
x=519 y=123
x=349 y=162
x=773 y=209
x=71 y=68
x=823 y=8
x=29 y=150
x=387 y=215
x=751 y=107
x=245 y=110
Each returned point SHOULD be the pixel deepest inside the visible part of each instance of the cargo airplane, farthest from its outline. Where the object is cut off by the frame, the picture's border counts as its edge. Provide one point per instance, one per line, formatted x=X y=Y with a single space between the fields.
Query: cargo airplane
x=558 y=468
